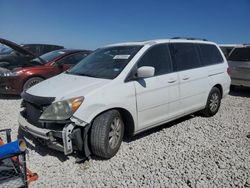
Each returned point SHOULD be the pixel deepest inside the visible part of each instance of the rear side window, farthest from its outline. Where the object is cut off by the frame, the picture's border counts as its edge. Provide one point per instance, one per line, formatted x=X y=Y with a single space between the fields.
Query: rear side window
x=240 y=54
x=158 y=57
x=185 y=56
x=210 y=54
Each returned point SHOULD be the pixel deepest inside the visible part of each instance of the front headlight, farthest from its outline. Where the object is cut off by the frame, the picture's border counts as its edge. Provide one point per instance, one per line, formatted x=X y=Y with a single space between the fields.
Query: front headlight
x=10 y=73
x=62 y=110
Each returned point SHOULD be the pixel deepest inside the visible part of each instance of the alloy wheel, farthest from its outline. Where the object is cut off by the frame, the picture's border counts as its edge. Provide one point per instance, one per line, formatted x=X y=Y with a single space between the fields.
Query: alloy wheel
x=115 y=132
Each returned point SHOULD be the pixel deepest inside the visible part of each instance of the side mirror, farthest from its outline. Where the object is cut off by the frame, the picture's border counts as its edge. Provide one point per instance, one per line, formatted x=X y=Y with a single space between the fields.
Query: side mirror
x=145 y=72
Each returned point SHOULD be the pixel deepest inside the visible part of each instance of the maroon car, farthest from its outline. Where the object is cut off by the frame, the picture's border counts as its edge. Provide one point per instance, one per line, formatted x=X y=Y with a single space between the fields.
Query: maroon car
x=38 y=69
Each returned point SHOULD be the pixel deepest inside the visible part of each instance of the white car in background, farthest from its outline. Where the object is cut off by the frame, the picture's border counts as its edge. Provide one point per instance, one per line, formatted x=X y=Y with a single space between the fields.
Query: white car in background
x=239 y=64
x=124 y=89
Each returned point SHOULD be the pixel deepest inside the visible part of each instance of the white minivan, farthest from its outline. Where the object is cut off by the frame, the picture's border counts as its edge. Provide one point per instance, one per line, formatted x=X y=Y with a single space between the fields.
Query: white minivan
x=123 y=89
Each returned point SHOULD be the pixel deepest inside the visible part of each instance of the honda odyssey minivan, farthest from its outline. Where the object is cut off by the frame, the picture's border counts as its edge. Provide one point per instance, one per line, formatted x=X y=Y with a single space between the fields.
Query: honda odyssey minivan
x=124 y=89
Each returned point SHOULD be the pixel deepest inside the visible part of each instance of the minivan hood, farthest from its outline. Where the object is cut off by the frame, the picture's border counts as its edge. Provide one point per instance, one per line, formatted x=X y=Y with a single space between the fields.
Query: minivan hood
x=65 y=86
x=16 y=47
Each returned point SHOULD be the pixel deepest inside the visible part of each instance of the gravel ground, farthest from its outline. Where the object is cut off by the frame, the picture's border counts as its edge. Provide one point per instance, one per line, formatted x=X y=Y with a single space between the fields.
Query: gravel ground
x=191 y=152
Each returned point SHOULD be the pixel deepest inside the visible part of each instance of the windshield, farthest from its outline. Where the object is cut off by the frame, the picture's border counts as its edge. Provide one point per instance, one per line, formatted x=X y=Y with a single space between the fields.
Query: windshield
x=240 y=54
x=105 y=63
x=48 y=56
x=5 y=49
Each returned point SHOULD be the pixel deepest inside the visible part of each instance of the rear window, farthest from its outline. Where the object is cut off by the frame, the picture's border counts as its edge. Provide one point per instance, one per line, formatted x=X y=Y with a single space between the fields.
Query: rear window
x=185 y=56
x=210 y=54
x=240 y=54
x=226 y=50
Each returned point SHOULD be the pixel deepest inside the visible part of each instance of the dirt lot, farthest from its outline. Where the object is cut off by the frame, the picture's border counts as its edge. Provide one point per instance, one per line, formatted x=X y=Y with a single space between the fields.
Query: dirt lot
x=191 y=152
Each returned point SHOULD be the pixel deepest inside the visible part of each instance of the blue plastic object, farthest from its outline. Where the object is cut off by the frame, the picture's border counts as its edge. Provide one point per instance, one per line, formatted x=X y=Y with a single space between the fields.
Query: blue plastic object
x=11 y=148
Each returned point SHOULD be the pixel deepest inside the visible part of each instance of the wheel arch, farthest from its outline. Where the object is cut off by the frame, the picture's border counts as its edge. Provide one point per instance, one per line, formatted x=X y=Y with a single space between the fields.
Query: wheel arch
x=31 y=76
x=128 y=120
x=219 y=86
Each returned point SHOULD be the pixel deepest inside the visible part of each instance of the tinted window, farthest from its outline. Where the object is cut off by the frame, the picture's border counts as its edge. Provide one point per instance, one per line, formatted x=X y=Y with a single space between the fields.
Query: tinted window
x=240 y=54
x=157 y=57
x=226 y=50
x=185 y=56
x=105 y=62
x=210 y=54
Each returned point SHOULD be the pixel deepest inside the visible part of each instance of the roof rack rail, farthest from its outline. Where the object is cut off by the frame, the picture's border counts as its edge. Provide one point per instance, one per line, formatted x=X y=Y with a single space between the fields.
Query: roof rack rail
x=189 y=38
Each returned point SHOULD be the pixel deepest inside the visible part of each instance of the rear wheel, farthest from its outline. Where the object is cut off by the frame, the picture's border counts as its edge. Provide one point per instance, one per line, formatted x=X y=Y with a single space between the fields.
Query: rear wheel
x=106 y=134
x=31 y=82
x=213 y=103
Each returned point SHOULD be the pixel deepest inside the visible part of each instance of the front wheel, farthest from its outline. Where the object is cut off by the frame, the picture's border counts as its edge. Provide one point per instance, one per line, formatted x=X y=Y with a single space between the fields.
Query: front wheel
x=106 y=134
x=213 y=103
x=31 y=82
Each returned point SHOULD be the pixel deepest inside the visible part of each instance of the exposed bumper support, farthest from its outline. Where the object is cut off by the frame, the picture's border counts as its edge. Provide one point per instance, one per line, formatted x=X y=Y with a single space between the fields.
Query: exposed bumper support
x=73 y=137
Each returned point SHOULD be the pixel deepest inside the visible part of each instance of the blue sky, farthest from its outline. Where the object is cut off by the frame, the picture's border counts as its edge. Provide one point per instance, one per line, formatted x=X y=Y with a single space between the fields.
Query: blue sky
x=94 y=23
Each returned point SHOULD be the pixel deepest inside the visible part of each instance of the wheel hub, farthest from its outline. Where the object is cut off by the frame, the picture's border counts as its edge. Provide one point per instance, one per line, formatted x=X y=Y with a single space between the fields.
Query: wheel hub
x=214 y=102
x=115 y=133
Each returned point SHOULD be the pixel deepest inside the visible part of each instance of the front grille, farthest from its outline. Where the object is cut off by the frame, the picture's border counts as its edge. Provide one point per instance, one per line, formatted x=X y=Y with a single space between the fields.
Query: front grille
x=33 y=113
x=34 y=107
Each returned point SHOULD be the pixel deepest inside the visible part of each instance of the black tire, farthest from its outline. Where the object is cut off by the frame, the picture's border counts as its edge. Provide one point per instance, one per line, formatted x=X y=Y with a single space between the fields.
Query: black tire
x=31 y=82
x=100 y=139
x=213 y=103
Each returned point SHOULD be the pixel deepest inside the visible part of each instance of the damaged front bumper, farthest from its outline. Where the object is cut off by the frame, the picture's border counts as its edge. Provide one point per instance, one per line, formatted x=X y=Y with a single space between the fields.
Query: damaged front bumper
x=66 y=138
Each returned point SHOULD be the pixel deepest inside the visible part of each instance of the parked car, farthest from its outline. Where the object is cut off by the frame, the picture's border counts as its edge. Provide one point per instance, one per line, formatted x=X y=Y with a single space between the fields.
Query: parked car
x=13 y=55
x=124 y=89
x=239 y=63
x=50 y=64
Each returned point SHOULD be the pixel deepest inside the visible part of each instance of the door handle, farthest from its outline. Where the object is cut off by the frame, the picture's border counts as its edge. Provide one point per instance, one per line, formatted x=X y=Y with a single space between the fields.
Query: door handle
x=172 y=80
x=185 y=77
